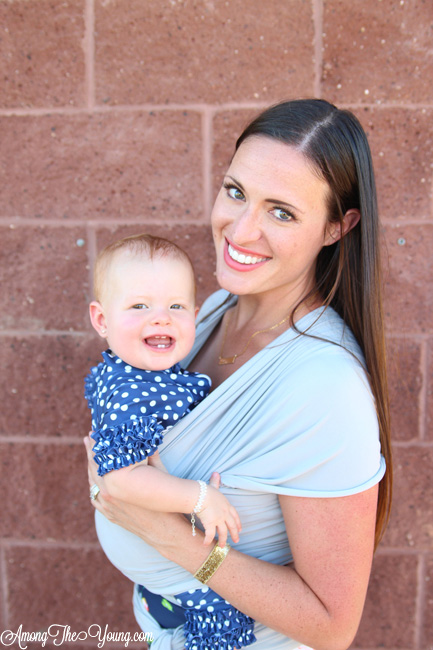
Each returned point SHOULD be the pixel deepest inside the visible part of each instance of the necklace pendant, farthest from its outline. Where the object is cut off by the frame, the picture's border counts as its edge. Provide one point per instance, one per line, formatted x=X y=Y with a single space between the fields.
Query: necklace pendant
x=225 y=361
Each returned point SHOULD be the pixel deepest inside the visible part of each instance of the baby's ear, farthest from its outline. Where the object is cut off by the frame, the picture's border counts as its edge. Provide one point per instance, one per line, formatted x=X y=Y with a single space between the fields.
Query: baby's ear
x=97 y=318
x=335 y=231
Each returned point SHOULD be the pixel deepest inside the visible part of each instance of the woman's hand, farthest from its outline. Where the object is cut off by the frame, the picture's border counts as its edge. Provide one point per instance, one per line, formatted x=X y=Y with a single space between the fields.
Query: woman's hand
x=153 y=527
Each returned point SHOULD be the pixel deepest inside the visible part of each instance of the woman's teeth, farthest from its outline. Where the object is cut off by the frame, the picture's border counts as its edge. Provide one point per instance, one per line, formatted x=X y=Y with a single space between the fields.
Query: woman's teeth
x=244 y=259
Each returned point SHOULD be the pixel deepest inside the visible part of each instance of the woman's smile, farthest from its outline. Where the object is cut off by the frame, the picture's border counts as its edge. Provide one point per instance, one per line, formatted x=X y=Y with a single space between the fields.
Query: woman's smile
x=242 y=259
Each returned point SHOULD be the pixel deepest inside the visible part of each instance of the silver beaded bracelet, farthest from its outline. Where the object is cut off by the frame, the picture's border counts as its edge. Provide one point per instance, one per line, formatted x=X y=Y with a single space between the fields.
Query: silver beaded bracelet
x=199 y=505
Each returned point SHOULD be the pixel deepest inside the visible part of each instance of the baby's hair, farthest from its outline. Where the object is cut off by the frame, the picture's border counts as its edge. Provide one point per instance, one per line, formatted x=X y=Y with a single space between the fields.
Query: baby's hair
x=142 y=244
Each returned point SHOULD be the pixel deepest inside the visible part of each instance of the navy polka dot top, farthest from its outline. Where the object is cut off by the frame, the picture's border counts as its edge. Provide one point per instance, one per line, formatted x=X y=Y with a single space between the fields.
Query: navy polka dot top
x=131 y=408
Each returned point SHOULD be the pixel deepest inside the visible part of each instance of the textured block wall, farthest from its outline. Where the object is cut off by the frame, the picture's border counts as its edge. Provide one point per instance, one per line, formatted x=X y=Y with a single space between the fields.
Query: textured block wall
x=120 y=115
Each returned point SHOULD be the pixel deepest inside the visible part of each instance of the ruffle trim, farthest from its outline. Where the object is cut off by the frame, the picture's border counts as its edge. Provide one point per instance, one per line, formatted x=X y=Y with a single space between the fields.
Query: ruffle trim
x=127 y=443
x=90 y=387
x=225 y=629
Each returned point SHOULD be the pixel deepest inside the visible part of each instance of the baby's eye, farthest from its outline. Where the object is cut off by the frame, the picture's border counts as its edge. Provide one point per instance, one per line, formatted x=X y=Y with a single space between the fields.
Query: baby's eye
x=234 y=192
x=176 y=306
x=282 y=215
x=139 y=305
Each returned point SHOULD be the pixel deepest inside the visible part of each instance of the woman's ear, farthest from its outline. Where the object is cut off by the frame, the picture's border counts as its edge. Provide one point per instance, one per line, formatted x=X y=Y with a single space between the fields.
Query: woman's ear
x=97 y=318
x=335 y=231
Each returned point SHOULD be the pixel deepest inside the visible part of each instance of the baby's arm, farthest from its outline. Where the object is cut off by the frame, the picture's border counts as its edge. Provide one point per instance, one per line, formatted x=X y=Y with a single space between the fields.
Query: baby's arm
x=143 y=485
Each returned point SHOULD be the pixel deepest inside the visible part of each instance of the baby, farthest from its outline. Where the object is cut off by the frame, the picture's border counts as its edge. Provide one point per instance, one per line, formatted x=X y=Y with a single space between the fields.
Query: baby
x=145 y=307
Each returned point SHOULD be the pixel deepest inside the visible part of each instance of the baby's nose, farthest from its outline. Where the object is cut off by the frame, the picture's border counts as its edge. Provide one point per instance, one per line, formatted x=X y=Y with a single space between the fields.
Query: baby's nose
x=161 y=317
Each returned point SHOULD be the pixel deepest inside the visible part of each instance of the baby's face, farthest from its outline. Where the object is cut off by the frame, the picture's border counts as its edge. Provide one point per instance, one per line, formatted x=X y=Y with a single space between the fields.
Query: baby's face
x=149 y=307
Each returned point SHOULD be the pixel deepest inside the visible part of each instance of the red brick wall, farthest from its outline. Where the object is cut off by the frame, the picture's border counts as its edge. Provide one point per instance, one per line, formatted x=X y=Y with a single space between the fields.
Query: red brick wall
x=117 y=116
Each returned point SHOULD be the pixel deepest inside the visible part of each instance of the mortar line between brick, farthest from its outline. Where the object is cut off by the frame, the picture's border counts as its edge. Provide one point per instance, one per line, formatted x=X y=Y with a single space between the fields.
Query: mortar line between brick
x=419 y=603
x=42 y=332
x=420 y=444
x=423 y=394
x=318 y=46
x=129 y=108
x=4 y=586
x=11 y=542
x=207 y=141
x=91 y=253
x=431 y=202
x=248 y=105
x=413 y=336
x=89 y=53
x=385 y=105
x=41 y=440
x=15 y=222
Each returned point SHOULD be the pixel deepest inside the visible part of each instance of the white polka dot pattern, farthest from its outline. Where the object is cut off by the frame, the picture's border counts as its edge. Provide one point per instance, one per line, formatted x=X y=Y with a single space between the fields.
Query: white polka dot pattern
x=127 y=423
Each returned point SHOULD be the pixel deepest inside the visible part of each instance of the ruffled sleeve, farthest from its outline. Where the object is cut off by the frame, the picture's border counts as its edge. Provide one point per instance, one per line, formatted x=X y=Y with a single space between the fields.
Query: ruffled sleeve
x=126 y=444
x=90 y=387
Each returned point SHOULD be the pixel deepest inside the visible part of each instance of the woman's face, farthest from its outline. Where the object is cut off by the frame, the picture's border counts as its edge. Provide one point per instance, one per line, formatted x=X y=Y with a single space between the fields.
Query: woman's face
x=270 y=221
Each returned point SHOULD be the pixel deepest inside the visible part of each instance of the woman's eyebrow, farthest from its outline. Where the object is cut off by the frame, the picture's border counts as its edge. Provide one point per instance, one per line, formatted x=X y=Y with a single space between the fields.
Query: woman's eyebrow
x=284 y=203
x=235 y=181
x=270 y=200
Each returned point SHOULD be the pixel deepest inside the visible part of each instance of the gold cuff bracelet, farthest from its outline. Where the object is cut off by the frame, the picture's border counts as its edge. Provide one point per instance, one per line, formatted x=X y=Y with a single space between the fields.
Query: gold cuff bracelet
x=212 y=563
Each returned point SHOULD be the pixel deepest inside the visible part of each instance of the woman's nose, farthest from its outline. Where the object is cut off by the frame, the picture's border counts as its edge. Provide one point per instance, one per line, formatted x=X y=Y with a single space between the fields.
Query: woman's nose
x=246 y=227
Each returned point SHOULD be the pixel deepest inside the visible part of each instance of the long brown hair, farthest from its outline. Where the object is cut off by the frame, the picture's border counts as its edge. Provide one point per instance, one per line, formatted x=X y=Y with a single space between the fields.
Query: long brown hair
x=348 y=273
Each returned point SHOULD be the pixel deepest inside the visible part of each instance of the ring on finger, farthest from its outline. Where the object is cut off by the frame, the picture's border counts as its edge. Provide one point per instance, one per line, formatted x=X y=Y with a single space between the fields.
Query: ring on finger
x=94 y=491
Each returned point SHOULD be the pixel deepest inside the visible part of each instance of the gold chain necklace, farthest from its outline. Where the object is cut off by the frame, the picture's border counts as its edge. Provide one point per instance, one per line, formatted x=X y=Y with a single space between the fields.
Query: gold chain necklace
x=224 y=361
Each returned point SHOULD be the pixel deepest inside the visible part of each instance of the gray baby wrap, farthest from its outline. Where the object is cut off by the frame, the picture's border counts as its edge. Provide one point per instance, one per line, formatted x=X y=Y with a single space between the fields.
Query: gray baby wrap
x=296 y=419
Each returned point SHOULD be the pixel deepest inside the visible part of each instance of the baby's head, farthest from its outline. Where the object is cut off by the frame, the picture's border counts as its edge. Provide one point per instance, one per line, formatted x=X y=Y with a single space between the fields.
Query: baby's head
x=145 y=301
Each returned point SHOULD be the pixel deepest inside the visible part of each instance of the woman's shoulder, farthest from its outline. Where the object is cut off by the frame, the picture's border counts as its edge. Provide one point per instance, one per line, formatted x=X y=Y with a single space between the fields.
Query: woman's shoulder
x=324 y=333
x=318 y=359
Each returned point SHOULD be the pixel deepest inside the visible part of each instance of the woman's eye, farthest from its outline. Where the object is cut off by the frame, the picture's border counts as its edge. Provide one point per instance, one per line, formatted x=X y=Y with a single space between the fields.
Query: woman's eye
x=234 y=192
x=139 y=306
x=176 y=306
x=282 y=215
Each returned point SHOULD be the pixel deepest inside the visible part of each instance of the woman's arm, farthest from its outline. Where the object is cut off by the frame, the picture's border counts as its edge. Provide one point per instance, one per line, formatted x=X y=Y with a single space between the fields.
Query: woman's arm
x=318 y=600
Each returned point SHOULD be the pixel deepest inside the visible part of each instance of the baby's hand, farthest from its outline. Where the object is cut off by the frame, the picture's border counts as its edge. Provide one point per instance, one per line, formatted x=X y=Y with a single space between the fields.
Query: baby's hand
x=219 y=515
x=155 y=461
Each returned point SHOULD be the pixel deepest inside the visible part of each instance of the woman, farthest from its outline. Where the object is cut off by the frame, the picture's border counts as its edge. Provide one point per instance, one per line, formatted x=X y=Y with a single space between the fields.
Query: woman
x=294 y=347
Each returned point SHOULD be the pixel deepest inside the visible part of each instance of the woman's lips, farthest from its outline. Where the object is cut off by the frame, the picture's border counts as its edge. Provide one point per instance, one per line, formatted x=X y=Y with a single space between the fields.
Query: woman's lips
x=242 y=260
